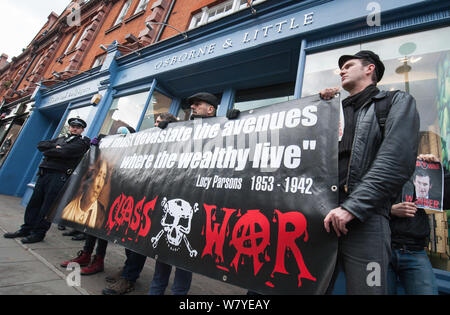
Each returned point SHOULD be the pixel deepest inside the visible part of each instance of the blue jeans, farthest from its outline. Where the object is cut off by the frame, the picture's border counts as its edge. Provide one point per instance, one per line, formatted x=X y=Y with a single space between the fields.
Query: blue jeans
x=413 y=269
x=181 y=283
x=133 y=265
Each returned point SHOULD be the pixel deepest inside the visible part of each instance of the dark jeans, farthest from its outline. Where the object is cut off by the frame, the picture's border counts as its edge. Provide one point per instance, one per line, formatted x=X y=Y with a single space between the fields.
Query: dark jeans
x=363 y=256
x=46 y=190
x=133 y=265
x=414 y=270
x=89 y=245
x=181 y=283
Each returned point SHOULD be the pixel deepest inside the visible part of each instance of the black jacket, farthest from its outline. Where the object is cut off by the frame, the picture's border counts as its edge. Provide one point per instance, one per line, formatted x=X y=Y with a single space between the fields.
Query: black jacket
x=67 y=157
x=381 y=164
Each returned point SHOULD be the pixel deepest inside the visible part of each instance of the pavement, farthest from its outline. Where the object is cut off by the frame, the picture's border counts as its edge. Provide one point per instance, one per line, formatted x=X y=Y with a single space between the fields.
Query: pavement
x=33 y=269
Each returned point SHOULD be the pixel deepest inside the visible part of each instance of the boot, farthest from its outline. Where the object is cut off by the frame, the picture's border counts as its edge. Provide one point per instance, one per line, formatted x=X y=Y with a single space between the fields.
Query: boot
x=95 y=266
x=82 y=259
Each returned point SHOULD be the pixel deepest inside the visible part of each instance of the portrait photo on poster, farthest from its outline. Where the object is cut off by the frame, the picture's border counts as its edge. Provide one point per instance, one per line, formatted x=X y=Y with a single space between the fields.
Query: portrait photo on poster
x=425 y=187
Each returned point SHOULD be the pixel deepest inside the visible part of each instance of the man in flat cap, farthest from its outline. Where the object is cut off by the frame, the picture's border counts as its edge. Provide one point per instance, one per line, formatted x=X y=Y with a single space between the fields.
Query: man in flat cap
x=61 y=156
x=203 y=105
x=377 y=155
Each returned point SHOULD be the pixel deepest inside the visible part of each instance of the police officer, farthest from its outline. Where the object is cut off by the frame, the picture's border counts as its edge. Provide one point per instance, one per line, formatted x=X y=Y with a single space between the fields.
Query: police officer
x=61 y=156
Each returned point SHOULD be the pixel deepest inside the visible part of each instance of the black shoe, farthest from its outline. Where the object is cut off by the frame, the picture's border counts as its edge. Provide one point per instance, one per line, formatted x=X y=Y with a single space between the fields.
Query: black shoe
x=70 y=233
x=33 y=238
x=61 y=227
x=79 y=237
x=18 y=233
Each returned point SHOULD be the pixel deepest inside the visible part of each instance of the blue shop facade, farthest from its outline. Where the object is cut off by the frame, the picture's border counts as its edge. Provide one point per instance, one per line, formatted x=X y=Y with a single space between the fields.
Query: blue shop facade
x=286 y=50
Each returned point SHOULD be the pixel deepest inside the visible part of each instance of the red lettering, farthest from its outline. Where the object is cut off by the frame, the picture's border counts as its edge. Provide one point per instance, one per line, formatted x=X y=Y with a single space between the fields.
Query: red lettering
x=215 y=236
x=246 y=238
x=125 y=214
x=146 y=223
x=286 y=241
x=408 y=198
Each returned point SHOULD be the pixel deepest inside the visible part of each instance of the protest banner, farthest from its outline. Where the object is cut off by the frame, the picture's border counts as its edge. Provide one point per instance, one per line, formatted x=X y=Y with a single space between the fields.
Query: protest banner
x=241 y=201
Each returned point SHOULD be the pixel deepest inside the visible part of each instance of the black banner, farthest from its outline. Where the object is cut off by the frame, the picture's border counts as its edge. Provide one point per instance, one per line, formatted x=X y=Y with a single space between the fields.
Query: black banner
x=241 y=201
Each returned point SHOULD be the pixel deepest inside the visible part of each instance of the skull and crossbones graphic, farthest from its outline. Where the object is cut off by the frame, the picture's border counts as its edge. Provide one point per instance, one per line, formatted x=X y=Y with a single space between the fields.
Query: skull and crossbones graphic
x=176 y=224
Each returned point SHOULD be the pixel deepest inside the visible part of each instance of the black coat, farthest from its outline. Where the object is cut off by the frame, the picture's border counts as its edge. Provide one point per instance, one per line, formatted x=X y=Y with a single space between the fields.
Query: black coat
x=381 y=164
x=65 y=158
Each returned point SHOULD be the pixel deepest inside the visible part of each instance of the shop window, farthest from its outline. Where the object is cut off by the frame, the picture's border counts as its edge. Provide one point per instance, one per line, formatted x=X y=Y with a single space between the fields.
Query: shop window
x=264 y=96
x=86 y=113
x=417 y=63
x=124 y=111
x=10 y=128
x=159 y=104
x=123 y=12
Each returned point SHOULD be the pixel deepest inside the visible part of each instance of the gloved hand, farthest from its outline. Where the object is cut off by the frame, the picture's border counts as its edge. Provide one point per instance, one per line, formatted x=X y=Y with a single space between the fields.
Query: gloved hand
x=95 y=141
x=163 y=124
x=233 y=113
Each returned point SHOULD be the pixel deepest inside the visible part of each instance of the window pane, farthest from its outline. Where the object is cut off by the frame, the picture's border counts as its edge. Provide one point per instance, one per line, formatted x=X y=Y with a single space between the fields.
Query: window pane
x=124 y=111
x=417 y=63
x=159 y=103
x=264 y=96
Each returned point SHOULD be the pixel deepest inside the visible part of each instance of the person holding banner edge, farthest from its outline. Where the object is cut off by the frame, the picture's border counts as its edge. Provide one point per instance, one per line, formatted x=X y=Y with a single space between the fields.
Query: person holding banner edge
x=203 y=105
x=371 y=171
x=61 y=156
x=410 y=231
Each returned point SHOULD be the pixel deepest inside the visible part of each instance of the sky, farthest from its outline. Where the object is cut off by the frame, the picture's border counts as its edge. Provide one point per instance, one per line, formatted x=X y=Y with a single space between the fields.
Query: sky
x=21 y=20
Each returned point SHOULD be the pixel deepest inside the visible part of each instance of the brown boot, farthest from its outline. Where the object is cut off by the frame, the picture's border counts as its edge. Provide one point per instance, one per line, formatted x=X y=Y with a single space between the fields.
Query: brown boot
x=83 y=259
x=95 y=266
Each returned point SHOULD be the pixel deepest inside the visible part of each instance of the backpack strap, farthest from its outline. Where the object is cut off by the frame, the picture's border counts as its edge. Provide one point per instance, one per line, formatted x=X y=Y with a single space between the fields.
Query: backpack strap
x=382 y=108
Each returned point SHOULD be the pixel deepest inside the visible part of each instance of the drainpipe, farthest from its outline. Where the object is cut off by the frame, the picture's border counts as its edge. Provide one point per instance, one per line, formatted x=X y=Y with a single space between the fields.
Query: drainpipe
x=26 y=71
x=166 y=19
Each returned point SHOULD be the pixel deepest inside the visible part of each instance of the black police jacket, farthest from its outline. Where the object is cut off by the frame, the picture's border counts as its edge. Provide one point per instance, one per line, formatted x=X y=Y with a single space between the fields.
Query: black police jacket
x=66 y=158
x=380 y=164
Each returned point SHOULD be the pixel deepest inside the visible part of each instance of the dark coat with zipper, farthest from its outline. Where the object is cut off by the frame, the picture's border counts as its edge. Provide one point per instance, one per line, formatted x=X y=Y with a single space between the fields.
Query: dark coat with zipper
x=381 y=164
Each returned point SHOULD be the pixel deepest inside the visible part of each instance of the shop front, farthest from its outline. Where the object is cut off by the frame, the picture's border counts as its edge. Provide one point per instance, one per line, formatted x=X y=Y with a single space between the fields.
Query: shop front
x=287 y=50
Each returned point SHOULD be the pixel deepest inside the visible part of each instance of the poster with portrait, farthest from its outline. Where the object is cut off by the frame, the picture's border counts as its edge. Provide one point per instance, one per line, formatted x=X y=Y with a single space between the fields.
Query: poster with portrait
x=425 y=188
x=241 y=200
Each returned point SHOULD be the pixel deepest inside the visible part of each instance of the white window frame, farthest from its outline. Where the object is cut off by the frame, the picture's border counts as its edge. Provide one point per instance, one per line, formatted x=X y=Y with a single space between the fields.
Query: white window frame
x=123 y=12
x=99 y=60
x=81 y=38
x=70 y=43
x=141 y=6
x=205 y=17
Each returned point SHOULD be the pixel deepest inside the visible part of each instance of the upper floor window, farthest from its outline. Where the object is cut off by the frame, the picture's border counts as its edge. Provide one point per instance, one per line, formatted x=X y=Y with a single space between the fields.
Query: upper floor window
x=218 y=11
x=123 y=12
x=99 y=60
x=81 y=38
x=141 y=6
x=70 y=43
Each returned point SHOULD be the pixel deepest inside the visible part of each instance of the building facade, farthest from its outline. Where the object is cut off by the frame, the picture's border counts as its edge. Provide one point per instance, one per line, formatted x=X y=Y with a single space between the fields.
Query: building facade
x=248 y=53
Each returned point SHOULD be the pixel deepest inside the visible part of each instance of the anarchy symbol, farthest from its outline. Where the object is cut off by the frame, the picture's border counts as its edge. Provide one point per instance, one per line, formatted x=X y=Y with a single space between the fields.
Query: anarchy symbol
x=228 y=43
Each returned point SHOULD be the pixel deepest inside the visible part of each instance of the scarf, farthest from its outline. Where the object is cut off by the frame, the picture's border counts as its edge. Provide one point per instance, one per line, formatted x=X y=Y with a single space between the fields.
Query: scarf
x=350 y=106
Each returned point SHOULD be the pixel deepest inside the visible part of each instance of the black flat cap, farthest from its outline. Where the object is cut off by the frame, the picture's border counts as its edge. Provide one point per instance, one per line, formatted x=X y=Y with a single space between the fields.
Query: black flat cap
x=365 y=55
x=205 y=97
x=77 y=122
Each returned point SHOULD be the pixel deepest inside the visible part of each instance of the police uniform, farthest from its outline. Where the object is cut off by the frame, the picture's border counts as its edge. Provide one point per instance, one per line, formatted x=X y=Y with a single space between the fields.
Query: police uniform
x=56 y=167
